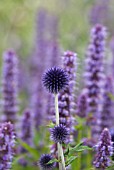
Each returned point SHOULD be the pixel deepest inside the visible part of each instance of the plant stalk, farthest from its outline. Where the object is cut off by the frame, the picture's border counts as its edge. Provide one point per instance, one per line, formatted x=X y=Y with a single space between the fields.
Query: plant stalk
x=60 y=149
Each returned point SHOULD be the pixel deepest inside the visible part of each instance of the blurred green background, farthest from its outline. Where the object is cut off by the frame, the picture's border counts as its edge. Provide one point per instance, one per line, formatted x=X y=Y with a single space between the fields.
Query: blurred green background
x=18 y=17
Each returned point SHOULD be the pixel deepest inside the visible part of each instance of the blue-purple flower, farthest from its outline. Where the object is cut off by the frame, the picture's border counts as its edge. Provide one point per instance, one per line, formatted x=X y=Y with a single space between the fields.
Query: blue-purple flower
x=44 y=160
x=59 y=134
x=55 y=79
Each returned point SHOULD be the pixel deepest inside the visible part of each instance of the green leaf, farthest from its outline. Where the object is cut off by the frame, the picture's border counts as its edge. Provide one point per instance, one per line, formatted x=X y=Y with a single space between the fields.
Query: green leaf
x=79 y=148
x=31 y=150
x=67 y=151
x=52 y=161
x=70 y=160
x=51 y=125
x=111 y=96
x=17 y=158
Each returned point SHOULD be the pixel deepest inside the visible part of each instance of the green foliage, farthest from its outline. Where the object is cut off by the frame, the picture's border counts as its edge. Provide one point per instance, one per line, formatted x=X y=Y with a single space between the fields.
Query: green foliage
x=31 y=150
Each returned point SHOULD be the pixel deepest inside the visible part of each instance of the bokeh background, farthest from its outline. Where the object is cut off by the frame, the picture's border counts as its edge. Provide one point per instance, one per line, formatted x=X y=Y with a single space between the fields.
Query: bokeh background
x=68 y=22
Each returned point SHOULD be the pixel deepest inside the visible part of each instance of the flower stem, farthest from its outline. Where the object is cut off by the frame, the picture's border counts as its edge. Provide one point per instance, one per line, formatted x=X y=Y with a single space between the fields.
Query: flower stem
x=56 y=109
x=60 y=149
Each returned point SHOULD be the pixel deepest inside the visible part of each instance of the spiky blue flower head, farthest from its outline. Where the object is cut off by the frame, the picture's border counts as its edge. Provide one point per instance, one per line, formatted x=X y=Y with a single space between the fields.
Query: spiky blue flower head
x=55 y=79
x=43 y=162
x=59 y=134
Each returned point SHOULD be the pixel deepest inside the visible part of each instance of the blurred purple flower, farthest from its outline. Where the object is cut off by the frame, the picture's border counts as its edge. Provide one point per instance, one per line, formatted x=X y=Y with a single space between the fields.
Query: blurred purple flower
x=107 y=117
x=82 y=105
x=67 y=104
x=7 y=143
x=10 y=86
x=100 y=12
x=104 y=150
x=45 y=56
x=26 y=133
x=94 y=76
x=112 y=50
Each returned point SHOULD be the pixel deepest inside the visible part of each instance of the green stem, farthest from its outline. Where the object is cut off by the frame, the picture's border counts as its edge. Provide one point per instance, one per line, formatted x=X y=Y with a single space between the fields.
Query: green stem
x=60 y=149
x=89 y=155
x=77 y=163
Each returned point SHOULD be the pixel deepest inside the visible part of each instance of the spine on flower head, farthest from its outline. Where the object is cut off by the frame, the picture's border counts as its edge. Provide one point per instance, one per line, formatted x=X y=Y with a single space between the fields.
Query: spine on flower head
x=10 y=86
x=104 y=151
x=26 y=133
x=7 y=144
x=94 y=73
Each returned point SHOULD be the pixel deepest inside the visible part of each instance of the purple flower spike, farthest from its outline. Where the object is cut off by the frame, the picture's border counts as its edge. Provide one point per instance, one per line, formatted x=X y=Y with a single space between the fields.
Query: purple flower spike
x=7 y=143
x=94 y=75
x=104 y=151
x=26 y=133
x=10 y=86
x=82 y=105
x=107 y=116
x=67 y=104
x=26 y=127
x=100 y=12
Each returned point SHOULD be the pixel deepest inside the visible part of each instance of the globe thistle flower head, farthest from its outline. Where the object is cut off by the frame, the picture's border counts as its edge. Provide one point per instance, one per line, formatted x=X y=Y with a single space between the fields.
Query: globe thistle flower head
x=55 y=79
x=59 y=134
x=43 y=162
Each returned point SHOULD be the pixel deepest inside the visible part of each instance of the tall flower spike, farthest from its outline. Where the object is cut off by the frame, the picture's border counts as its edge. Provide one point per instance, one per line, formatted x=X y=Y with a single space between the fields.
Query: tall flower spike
x=55 y=79
x=37 y=68
x=104 y=151
x=26 y=133
x=67 y=104
x=94 y=74
x=112 y=50
x=7 y=143
x=46 y=48
x=10 y=86
x=107 y=117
